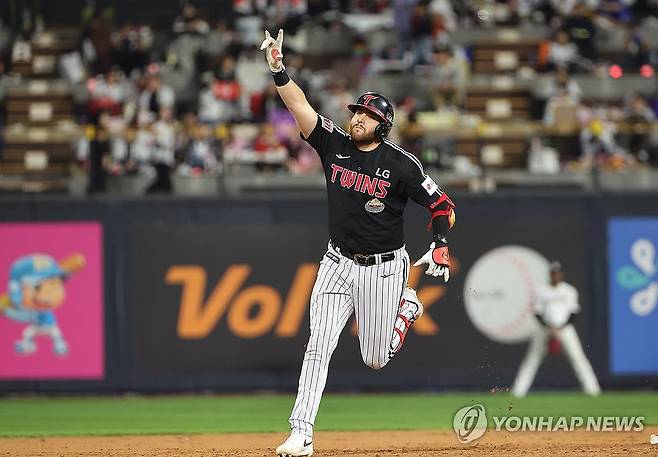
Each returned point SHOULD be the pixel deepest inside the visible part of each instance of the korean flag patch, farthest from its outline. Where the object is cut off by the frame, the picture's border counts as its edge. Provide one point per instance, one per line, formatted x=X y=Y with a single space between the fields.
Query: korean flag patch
x=430 y=186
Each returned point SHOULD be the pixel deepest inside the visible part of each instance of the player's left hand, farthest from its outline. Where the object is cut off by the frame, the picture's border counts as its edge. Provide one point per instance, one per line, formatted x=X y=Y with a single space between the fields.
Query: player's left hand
x=437 y=260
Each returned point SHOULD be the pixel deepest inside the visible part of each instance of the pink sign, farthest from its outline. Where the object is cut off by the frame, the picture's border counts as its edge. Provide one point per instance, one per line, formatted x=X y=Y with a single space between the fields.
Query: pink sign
x=51 y=301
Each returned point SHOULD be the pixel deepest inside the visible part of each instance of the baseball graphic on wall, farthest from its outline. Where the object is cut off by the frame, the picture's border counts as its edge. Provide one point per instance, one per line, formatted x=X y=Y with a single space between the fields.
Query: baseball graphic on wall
x=499 y=292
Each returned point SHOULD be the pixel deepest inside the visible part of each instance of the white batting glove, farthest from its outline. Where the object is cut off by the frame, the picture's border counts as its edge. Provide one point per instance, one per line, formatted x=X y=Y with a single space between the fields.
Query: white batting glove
x=437 y=260
x=272 y=50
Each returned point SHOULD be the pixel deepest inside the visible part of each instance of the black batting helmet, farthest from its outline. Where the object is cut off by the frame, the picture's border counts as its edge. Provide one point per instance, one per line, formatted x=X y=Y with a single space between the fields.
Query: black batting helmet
x=378 y=105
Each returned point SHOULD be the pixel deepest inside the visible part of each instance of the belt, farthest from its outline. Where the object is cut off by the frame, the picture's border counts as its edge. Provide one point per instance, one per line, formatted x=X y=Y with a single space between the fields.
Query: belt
x=365 y=260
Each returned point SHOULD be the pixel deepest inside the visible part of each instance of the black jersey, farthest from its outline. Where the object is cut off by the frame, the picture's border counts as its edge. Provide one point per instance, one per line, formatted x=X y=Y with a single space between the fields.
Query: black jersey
x=368 y=191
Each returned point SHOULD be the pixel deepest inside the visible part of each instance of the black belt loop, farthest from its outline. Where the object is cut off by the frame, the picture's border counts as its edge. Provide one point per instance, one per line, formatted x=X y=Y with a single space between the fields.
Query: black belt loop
x=365 y=260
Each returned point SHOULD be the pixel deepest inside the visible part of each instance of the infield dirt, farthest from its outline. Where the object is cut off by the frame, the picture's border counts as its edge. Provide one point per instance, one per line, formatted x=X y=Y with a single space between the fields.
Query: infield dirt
x=356 y=444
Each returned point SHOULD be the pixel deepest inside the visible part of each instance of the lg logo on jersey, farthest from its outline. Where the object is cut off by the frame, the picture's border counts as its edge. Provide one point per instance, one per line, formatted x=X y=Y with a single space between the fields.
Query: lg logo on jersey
x=361 y=182
x=384 y=174
x=256 y=310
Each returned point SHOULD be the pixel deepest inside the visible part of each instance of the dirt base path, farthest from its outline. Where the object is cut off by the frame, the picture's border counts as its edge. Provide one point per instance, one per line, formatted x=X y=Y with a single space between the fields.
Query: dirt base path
x=354 y=444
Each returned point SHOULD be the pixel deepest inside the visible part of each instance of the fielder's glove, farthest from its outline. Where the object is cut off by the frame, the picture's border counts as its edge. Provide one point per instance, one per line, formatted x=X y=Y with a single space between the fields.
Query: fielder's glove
x=273 y=53
x=437 y=259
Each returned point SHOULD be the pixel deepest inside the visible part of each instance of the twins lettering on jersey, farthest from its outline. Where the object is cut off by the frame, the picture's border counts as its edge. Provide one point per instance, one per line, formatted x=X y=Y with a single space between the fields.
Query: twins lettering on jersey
x=361 y=182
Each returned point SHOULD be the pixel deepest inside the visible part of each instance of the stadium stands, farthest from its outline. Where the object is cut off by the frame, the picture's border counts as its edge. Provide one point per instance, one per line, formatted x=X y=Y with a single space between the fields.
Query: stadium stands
x=535 y=93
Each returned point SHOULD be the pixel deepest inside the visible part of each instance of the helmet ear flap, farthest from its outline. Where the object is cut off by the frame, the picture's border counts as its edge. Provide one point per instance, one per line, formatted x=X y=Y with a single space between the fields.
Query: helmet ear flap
x=382 y=130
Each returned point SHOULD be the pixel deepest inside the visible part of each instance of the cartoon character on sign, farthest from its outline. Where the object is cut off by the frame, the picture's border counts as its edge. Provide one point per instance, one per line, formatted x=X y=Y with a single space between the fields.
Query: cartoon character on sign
x=36 y=290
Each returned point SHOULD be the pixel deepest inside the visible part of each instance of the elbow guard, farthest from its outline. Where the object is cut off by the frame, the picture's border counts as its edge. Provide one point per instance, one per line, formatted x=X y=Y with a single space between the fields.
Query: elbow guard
x=443 y=216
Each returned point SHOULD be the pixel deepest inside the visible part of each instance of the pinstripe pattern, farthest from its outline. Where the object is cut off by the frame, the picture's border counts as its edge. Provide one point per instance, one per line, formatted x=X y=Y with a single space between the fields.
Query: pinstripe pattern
x=373 y=293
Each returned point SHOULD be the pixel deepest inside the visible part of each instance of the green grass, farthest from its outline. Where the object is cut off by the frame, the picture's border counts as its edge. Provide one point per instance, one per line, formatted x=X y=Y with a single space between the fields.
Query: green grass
x=136 y=415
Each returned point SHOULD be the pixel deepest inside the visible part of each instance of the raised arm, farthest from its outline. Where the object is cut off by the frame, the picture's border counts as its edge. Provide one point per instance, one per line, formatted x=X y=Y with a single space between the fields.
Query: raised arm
x=289 y=91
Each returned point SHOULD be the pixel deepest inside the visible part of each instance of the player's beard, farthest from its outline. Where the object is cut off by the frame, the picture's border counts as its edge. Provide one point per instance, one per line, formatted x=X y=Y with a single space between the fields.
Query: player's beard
x=361 y=137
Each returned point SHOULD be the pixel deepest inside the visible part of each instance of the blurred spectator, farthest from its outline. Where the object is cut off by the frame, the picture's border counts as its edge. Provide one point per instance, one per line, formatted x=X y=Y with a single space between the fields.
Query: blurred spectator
x=211 y=110
x=271 y=154
x=448 y=78
x=185 y=131
x=639 y=116
x=334 y=104
x=165 y=138
x=99 y=149
x=421 y=33
x=131 y=45
x=581 y=29
x=220 y=101
x=564 y=7
x=542 y=159
x=100 y=39
x=636 y=51
x=221 y=40
x=189 y=21
x=152 y=150
x=597 y=136
x=444 y=18
x=562 y=109
x=155 y=96
x=254 y=79
x=201 y=153
x=564 y=85
x=189 y=31
x=123 y=161
x=143 y=145
x=108 y=92
x=562 y=52
x=615 y=10
x=412 y=134
x=302 y=158
x=402 y=10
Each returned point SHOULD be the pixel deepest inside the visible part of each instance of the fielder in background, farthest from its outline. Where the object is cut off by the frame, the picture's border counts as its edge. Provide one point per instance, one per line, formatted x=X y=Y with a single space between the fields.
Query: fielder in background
x=556 y=305
x=365 y=269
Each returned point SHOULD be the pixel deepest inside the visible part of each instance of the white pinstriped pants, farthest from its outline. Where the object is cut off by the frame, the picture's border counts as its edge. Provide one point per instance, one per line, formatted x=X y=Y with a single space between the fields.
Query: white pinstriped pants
x=373 y=293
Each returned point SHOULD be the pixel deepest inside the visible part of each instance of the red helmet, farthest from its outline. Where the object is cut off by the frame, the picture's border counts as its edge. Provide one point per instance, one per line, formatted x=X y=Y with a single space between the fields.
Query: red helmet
x=378 y=105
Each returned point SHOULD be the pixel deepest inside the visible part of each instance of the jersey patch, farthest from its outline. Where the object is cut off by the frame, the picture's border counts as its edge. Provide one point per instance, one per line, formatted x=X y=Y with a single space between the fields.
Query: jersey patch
x=374 y=206
x=327 y=124
x=430 y=186
x=333 y=257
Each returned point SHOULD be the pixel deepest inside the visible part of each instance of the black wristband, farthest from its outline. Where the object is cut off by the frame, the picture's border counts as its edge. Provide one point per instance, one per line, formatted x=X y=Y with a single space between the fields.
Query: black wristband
x=281 y=78
x=439 y=239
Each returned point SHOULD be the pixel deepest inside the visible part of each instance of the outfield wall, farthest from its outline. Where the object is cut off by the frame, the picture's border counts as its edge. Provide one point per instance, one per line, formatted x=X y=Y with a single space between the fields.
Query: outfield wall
x=203 y=294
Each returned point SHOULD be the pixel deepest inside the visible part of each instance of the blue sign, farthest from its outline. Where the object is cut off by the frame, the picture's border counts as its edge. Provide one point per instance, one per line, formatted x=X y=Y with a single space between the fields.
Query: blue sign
x=633 y=295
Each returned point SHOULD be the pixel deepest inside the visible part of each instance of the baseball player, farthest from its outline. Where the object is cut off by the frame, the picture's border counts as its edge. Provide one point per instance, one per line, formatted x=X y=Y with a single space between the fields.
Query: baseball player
x=365 y=269
x=556 y=305
x=36 y=290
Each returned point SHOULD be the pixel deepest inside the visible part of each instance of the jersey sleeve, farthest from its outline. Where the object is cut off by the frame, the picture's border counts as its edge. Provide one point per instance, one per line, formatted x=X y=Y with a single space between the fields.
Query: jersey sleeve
x=574 y=307
x=325 y=137
x=422 y=189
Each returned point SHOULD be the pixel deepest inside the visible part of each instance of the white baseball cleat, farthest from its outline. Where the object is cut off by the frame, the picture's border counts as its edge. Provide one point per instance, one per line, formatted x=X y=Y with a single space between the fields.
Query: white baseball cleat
x=296 y=445
x=411 y=309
